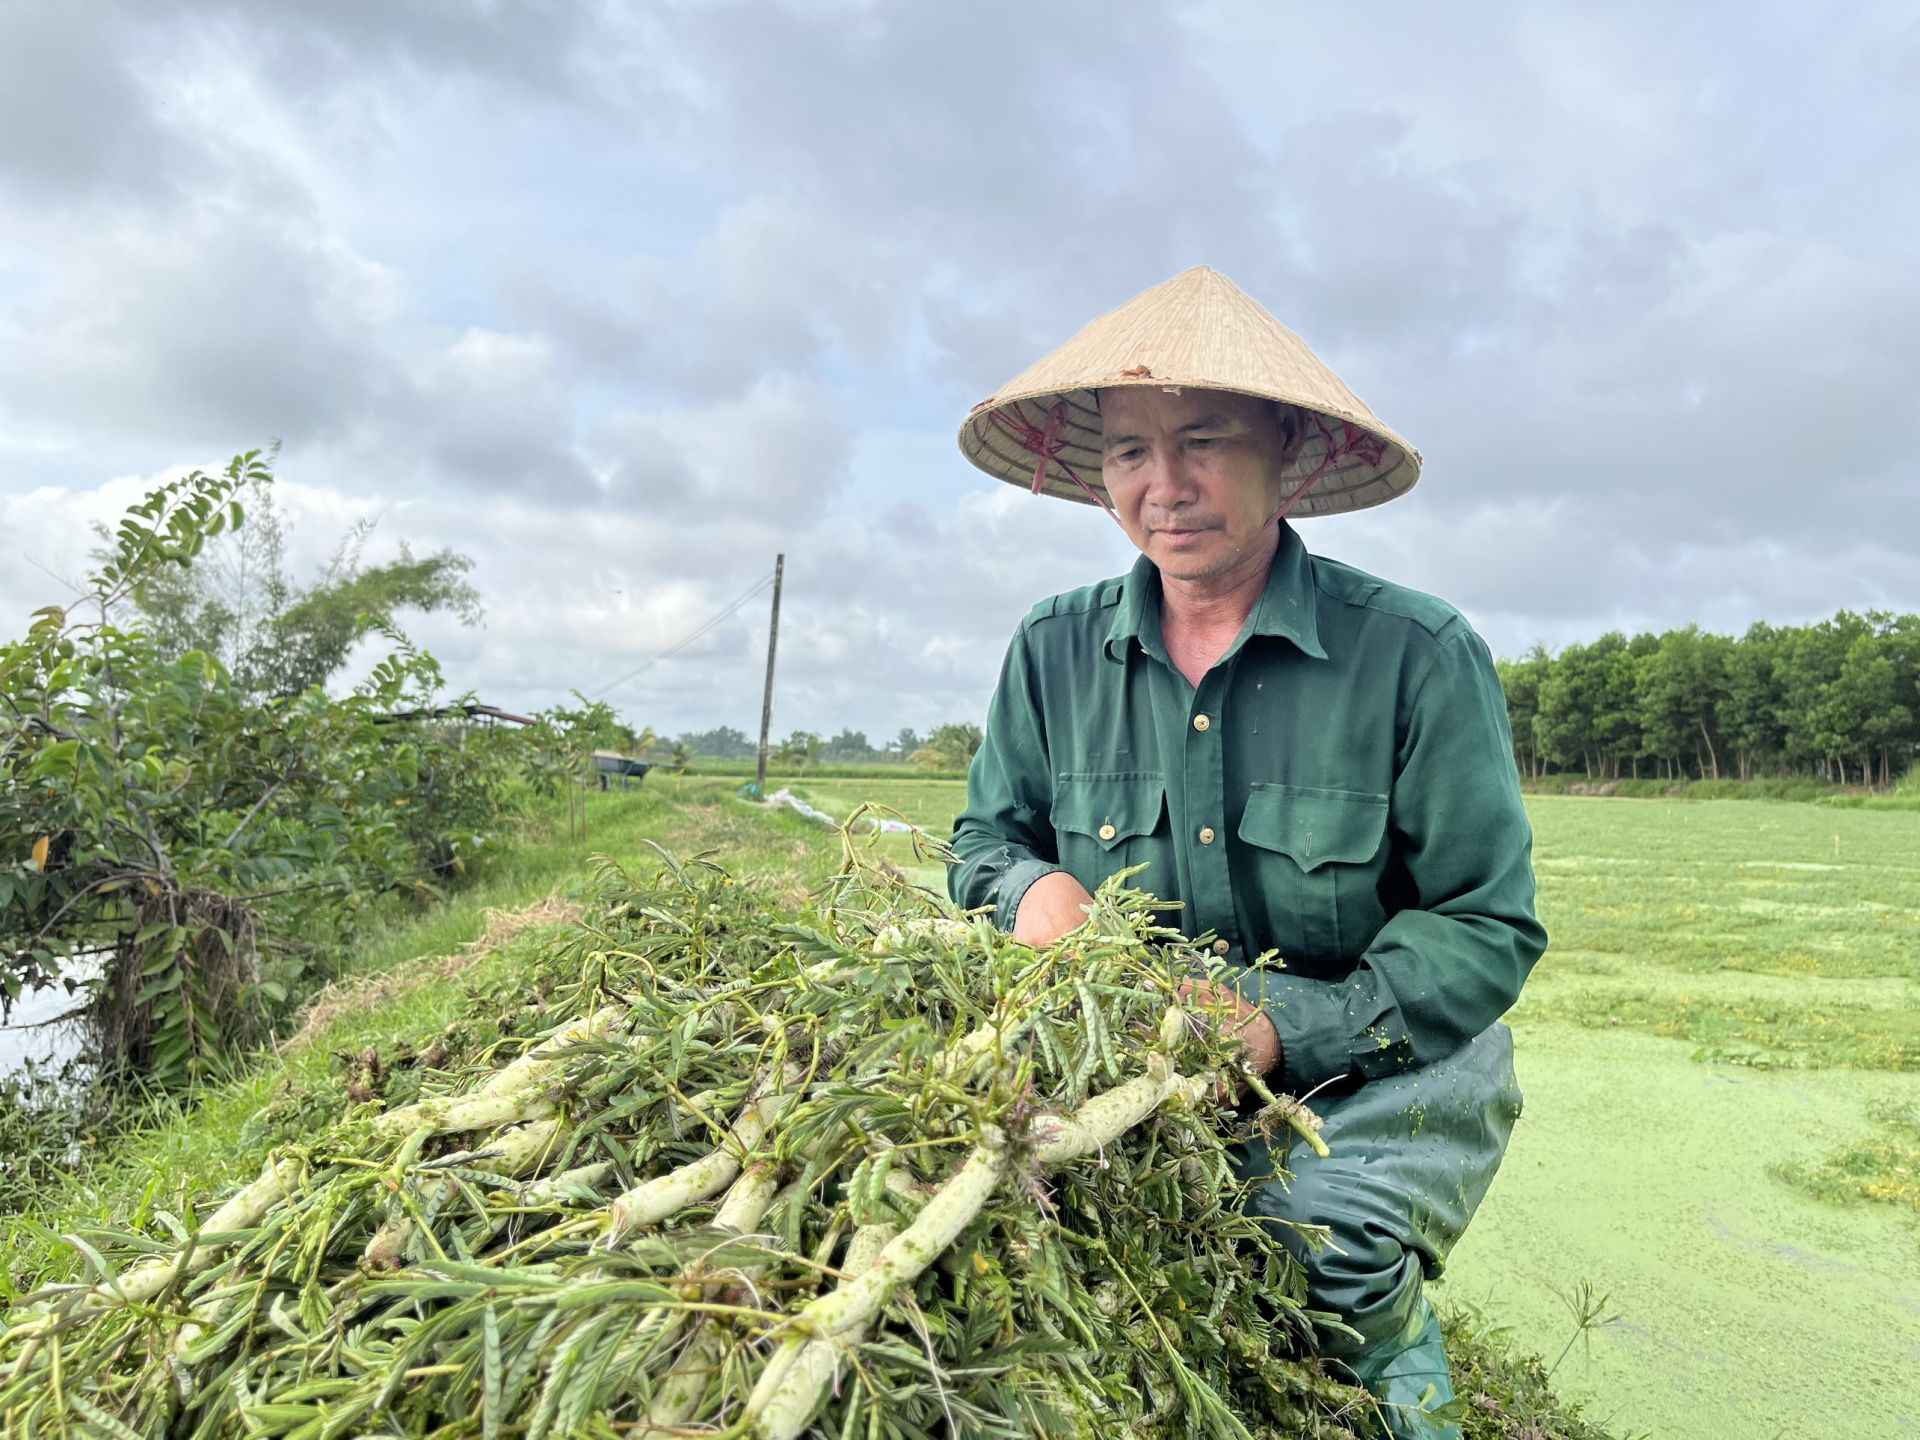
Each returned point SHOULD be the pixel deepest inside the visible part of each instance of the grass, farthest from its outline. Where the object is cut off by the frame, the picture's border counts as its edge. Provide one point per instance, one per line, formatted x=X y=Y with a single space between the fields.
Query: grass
x=783 y=774
x=1648 y=788
x=1904 y=796
x=1883 y=1167
x=1717 y=1053
x=1763 y=1033
x=210 y=1137
x=206 y=1142
x=1769 y=936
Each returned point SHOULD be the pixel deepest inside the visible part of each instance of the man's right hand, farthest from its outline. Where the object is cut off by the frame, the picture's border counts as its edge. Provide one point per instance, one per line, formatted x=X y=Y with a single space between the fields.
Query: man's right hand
x=1053 y=905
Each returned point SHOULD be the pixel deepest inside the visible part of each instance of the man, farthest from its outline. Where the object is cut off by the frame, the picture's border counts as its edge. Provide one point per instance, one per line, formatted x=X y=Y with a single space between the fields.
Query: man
x=1315 y=764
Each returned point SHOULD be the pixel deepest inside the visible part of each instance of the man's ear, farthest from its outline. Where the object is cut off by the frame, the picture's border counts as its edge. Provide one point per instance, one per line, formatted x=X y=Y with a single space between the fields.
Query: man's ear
x=1292 y=424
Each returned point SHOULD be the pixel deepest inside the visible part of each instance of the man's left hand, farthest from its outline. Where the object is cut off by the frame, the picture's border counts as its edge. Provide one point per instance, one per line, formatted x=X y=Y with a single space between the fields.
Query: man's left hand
x=1238 y=1019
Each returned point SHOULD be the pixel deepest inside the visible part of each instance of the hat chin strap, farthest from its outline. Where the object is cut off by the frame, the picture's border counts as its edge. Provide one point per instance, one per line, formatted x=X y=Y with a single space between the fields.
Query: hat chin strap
x=1046 y=444
x=1352 y=440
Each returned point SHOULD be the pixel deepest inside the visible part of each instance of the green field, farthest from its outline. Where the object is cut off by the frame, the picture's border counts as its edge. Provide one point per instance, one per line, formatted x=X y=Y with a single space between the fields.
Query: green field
x=1721 y=1055
x=1717 y=1053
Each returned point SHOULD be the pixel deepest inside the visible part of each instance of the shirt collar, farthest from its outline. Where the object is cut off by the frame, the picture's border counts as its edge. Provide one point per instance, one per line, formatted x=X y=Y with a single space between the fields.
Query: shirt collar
x=1286 y=607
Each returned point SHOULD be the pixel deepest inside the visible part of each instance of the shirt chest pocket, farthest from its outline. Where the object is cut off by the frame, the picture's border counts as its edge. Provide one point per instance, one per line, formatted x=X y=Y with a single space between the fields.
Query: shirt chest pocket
x=1108 y=822
x=1317 y=856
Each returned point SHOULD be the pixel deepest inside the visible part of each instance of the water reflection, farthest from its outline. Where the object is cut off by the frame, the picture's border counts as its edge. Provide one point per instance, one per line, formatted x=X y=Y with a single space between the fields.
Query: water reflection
x=35 y=1034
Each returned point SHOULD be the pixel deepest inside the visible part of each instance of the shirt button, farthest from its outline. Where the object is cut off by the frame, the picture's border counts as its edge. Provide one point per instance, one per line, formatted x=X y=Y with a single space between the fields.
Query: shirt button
x=1220 y=947
x=1206 y=835
x=1107 y=832
x=1202 y=723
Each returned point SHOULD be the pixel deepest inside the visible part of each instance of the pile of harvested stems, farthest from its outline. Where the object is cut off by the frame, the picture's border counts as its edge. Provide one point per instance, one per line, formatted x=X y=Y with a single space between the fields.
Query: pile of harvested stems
x=864 y=1169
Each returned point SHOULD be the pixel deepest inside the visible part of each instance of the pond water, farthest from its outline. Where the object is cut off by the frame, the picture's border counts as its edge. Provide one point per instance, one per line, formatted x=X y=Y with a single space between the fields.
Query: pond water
x=36 y=1035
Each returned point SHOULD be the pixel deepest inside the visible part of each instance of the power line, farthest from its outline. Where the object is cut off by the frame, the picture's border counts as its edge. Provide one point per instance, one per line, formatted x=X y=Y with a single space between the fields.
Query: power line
x=688 y=639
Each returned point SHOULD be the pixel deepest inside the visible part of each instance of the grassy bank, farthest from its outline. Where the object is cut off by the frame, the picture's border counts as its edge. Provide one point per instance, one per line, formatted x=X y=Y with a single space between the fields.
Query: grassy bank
x=422 y=977
x=1904 y=796
x=206 y=1138
x=1629 y=788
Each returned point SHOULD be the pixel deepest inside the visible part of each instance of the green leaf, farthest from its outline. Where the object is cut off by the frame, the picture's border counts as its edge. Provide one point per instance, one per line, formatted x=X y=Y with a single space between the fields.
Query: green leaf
x=161 y=985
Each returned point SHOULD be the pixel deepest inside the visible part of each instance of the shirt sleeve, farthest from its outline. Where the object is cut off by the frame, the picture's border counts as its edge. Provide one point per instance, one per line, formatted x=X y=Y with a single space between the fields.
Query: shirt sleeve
x=1448 y=966
x=1004 y=838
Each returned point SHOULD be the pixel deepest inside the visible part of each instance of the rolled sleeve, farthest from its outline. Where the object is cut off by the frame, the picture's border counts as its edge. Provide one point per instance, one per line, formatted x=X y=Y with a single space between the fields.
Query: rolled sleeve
x=1015 y=881
x=1311 y=1019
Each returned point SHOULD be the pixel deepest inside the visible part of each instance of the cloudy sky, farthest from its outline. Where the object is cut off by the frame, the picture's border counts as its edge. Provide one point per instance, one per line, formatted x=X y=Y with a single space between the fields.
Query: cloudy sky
x=623 y=299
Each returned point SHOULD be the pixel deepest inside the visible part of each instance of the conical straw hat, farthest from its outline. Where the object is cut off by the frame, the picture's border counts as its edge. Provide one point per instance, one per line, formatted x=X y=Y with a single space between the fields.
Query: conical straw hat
x=1042 y=429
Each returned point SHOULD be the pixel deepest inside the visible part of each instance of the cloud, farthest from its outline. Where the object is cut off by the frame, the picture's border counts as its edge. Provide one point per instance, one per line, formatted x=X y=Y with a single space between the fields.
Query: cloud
x=773 y=286
x=75 y=119
x=489 y=412
x=770 y=458
x=214 y=325
x=625 y=301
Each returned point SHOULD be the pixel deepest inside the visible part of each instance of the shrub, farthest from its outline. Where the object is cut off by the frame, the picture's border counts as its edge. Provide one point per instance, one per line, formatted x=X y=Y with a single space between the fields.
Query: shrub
x=195 y=845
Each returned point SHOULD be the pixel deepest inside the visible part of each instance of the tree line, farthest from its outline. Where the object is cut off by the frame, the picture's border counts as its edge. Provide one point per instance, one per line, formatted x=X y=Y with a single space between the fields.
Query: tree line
x=946 y=747
x=1838 y=700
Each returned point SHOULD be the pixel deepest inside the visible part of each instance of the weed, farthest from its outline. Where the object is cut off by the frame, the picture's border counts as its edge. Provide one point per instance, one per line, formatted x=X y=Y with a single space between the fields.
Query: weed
x=1883 y=1167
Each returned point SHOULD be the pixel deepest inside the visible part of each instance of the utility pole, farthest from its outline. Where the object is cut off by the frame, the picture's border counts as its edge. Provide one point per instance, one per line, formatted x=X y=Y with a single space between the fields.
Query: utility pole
x=766 y=703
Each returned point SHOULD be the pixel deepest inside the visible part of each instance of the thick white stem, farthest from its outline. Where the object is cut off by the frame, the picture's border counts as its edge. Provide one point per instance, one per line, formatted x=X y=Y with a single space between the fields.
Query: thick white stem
x=249 y=1205
x=483 y=1110
x=750 y=1198
x=967 y=1054
x=790 y=1387
x=515 y=1092
x=514 y=1152
x=1106 y=1117
x=899 y=937
x=803 y=1367
x=686 y=1385
x=944 y=1216
x=652 y=1201
x=594 y=1026
x=245 y=1209
x=558 y=1187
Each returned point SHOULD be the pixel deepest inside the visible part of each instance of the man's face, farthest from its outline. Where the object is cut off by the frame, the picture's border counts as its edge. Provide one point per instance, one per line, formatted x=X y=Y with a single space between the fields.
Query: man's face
x=1193 y=476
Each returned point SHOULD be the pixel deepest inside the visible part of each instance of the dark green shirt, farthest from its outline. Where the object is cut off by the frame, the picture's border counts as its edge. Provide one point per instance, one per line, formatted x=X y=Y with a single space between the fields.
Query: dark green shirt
x=1340 y=788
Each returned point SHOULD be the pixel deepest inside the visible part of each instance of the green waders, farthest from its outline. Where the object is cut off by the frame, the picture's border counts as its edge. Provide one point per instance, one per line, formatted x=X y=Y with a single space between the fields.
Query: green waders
x=1411 y=1158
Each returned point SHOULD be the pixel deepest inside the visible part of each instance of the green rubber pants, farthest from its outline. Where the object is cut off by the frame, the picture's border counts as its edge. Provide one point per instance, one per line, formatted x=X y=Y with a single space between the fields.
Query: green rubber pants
x=1411 y=1159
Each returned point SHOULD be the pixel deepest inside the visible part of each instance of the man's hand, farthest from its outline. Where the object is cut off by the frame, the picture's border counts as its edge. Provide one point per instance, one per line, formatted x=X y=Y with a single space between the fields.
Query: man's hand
x=1237 y=1019
x=1053 y=905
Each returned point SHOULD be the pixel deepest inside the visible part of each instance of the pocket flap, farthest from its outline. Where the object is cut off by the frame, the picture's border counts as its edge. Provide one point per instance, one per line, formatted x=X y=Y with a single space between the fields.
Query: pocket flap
x=1109 y=808
x=1315 y=827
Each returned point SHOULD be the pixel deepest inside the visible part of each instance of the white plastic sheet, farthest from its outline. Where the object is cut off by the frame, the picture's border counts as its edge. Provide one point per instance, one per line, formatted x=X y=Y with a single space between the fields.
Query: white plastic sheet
x=784 y=796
